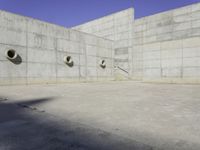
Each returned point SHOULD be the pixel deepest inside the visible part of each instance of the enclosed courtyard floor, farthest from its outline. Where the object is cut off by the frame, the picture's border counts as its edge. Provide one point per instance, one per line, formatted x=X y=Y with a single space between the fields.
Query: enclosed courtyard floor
x=93 y=116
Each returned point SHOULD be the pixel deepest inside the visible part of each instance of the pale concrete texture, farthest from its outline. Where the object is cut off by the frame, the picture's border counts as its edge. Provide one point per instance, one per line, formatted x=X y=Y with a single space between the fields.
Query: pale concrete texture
x=159 y=48
x=159 y=116
x=42 y=47
x=166 y=46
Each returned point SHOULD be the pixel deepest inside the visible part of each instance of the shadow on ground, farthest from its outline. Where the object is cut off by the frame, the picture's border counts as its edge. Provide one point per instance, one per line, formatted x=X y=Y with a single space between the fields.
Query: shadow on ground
x=24 y=127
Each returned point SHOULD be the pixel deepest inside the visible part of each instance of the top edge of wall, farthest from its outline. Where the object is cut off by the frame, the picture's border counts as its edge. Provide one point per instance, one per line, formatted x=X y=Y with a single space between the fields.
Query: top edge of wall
x=27 y=17
x=167 y=11
x=112 y=14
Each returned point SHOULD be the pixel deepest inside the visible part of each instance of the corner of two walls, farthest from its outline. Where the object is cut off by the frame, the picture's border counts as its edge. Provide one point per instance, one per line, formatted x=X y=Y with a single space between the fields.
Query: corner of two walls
x=116 y=27
x=42 y=47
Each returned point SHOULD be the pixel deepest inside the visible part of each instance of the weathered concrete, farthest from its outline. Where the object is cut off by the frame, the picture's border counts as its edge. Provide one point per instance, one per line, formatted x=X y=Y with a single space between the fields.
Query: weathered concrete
x=116 y=27
x=42 y=47
x=160 y=48
x=163 y=116
x=166 y=46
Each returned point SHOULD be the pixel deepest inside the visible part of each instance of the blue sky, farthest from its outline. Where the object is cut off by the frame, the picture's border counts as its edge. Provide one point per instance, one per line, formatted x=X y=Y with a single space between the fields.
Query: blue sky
x=69 y=13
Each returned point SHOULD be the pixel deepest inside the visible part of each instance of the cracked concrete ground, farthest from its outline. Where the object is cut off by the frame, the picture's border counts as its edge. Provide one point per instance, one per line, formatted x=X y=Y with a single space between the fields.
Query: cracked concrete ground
x=111 y=115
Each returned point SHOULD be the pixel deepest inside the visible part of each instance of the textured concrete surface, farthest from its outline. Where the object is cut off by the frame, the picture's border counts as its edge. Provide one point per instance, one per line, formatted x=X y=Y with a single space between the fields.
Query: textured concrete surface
x=166 y=46
x=42 y=47
x=116 y=27
x=159 y=48
x=159 y=116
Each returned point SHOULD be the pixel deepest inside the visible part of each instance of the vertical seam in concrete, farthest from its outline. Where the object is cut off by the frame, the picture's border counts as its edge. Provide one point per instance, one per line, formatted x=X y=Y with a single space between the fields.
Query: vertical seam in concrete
x=86 y=65
x=161 y=69
x=56 y=53
x=79 y=56
x=97 y=58
x=26 y=51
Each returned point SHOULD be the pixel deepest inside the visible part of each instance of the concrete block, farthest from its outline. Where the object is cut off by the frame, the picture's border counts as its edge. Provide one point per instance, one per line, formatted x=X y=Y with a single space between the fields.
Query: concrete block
x=191 y=62
x=151 y=63
x=41 y=41
x=150 y=39
x=65 y=71
x=151 y=55
x=171 y=63
x=63 y=45
x=195 y=15
x=164 y=22
x=164 y=29
x=182 y=18
x=195 y=32
x=191 y=42
x=75 y=35
x=92 y=72
x=40 y=70
x=41 y=56
x=151 y=47
x=11 y=70
x=182 y=26
x=91 y=50
x=181 y=34
x=12 y=37
x=82 y=60
x=152 y=73
x=171 y=54
x=165 y=37
x=182 y=11
x=90 y=40
x=139 y=28
x=172 y=72
x=13 y=22
x=191 y=72
x=91 y=61
x=150 y=32
x=176 y=44
x=196 y=24
x=121 y=51
x=75 y=47
x=191 y=52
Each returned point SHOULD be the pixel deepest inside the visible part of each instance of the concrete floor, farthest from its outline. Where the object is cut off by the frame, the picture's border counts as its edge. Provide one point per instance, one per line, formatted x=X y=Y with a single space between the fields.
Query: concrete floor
x=112 y=115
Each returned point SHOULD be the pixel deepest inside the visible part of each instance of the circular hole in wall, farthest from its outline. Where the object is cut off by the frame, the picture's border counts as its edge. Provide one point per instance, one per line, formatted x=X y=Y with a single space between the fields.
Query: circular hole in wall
x=11 y=54
x=103 y=64
x=69 y=61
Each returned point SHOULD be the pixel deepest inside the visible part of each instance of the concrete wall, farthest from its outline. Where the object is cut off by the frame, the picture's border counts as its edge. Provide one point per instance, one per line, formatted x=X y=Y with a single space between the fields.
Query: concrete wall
x=167 y=46
x=42 y=47
x=164 y=47
x=117 y=27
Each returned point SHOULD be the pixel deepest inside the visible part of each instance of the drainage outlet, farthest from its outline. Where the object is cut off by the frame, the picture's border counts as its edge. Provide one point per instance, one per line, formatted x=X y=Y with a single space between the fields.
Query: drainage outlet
x=11 y=54
x=102 y=64
x=68 y=60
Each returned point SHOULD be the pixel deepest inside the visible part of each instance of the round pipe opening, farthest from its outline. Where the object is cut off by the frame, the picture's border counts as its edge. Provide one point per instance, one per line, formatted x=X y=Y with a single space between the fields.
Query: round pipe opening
x=103 y=63
x=68 y=60
x=11 y=54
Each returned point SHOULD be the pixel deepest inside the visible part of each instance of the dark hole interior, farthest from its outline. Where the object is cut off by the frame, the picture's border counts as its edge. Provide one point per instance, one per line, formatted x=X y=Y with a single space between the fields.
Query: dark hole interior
x=103 y=61
x=11 y=53
x=68 y=58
